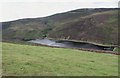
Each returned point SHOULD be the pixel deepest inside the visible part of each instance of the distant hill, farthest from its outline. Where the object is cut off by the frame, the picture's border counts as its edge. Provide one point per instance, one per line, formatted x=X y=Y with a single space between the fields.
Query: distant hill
x=98 y=25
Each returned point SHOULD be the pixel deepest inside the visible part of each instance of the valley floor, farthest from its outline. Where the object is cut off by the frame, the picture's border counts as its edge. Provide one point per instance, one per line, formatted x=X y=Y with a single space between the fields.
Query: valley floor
x=27 y=60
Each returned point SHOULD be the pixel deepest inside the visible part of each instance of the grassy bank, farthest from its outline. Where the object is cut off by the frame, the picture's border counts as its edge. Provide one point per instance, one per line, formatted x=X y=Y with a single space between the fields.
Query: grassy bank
x=38 y=60
x=117 y=49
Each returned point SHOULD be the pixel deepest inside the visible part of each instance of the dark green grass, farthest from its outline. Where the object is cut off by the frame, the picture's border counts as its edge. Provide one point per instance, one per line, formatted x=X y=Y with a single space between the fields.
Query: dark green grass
x=46 y=61
x=117 y=49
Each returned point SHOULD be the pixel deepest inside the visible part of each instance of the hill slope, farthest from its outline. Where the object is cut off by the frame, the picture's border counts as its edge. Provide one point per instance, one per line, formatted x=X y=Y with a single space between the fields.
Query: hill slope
x=98 y=27
x=46 y=61
x=95 y=25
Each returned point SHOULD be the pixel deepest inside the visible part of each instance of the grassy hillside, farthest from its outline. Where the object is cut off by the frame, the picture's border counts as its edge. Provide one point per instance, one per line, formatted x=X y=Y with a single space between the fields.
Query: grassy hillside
x=99 y=27
x=37 y=60
x=95 y=25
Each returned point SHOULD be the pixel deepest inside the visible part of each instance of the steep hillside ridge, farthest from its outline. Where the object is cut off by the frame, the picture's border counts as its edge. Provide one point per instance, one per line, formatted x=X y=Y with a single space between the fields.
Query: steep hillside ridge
x=96 y=25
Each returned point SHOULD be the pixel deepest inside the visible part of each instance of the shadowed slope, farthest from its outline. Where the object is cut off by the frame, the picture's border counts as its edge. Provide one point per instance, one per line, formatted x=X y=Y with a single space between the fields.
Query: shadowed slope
x=95 y=25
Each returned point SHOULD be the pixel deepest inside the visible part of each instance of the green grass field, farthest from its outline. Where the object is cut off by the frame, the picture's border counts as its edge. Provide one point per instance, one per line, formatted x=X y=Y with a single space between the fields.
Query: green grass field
x=46 y=61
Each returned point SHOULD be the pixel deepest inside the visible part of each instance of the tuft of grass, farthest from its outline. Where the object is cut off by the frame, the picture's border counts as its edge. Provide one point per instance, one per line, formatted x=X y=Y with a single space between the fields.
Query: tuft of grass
x=29 y=60
x=117 y=49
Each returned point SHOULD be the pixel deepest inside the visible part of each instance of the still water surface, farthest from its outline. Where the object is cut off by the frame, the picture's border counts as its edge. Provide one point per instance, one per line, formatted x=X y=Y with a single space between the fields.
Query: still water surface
x=70 y=44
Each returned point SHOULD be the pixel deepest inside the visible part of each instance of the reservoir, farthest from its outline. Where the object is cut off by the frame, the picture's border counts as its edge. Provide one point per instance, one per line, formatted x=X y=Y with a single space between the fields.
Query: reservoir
x=71 y=44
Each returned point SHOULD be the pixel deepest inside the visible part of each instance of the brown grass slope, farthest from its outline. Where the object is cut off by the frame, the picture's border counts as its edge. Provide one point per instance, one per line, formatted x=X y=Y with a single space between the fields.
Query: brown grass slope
x=95 y=25
x=98 y=27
